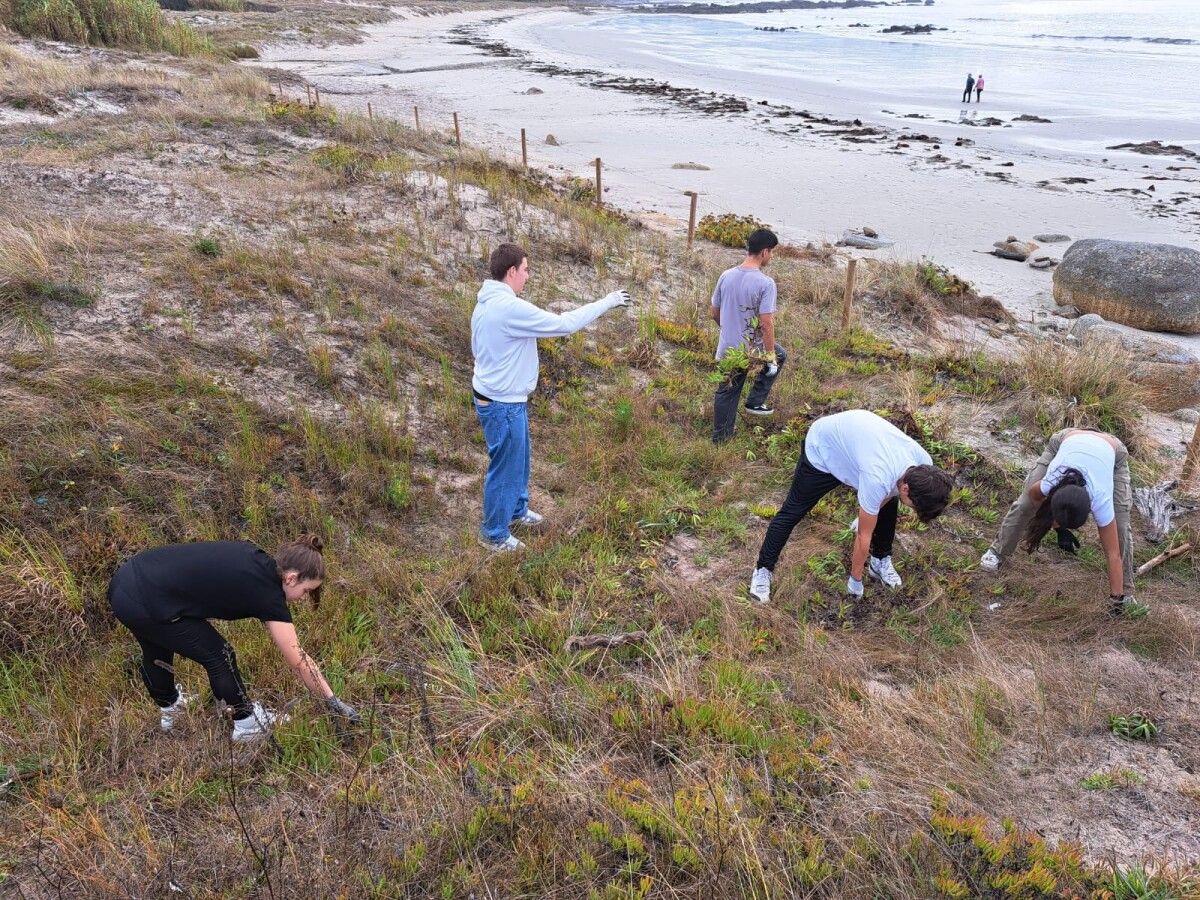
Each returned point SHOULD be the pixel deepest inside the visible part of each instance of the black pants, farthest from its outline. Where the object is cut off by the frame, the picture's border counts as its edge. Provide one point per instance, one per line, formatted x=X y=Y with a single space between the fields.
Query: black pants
x=809 y=485
x=966 y=96
x=194 y=639
x=729 y=395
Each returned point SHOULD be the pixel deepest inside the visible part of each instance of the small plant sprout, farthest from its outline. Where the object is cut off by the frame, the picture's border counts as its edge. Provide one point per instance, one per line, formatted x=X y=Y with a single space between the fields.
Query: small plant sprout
x=1134 y=727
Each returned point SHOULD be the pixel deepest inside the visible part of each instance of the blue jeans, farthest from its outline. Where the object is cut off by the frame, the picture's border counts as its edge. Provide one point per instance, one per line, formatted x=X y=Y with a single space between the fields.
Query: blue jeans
x=506 y=485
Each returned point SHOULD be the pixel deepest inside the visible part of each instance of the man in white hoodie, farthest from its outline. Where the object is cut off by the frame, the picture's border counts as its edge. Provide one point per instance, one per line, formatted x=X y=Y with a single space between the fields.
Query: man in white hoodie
x=504 y=335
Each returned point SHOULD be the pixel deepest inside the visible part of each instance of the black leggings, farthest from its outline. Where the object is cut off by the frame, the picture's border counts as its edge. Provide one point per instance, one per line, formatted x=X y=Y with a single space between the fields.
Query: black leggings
x=809 y=485
x=194 y=639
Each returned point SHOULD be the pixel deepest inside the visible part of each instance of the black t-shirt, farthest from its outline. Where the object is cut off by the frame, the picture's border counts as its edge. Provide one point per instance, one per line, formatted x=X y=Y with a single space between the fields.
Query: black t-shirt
x=210 y=580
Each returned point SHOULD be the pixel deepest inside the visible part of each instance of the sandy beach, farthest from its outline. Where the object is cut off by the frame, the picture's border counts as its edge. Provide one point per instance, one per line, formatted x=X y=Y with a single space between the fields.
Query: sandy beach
x=810 y=157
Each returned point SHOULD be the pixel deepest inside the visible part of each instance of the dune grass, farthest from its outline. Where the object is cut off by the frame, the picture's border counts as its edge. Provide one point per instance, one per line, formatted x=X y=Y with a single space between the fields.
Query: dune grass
x=128 y=24
x=315 y=377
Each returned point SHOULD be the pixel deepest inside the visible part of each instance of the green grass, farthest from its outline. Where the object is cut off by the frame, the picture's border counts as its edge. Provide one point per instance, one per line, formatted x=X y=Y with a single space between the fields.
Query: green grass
x=129 y=24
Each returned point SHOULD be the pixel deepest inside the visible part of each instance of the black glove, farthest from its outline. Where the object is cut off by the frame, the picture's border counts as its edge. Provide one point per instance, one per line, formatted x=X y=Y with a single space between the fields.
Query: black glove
x=341 y=708
x=1067 y=542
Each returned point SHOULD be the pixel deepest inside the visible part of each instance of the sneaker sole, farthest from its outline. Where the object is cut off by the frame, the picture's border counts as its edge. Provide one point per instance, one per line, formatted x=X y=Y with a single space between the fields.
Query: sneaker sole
x=497 y=548
x=758 y=412
x=890 y=587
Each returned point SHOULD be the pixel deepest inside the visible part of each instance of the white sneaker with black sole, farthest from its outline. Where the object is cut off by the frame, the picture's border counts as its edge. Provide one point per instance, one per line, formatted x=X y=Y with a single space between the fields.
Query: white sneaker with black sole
x=168 y=715
x=760 y=585
x=509 y=545
x=761 y=410
x=989 y=562
x=257 y=725
x=883 y=570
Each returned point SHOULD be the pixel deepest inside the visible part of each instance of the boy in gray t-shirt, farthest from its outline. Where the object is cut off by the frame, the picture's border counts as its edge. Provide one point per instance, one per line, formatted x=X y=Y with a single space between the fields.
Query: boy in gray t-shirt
x=743 y=305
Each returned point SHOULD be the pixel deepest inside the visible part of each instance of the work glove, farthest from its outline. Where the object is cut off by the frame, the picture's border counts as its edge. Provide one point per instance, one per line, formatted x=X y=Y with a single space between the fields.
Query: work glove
x=772 y=362
x=338 y=707
x=1067 y=542
x=854 y=587
x=620 y=298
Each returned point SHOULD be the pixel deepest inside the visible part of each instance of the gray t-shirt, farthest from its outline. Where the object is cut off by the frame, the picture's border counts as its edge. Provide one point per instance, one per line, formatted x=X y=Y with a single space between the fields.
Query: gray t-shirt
x=742 y=295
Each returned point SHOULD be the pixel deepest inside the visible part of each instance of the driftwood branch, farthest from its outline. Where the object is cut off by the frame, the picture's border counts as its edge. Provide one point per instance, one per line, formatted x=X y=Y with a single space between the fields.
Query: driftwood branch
x=578 y=642
x=1163 y=557
x=1158 y=507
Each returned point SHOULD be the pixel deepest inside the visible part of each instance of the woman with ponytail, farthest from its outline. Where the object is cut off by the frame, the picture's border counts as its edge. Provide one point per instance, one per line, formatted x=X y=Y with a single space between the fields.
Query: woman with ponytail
x=1080 y=471
x=166 y=596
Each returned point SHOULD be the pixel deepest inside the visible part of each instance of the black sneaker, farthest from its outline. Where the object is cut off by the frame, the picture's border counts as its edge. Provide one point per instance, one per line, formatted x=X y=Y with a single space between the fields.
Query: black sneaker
x=761 y=410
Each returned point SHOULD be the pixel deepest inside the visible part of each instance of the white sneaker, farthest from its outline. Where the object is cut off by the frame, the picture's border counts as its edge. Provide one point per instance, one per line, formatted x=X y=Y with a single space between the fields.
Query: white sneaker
x=508 y=545
x=989 y=562
x=168 y=714
x=529 y=520
x=883 y=570
x=760 y=585
x=257 y=725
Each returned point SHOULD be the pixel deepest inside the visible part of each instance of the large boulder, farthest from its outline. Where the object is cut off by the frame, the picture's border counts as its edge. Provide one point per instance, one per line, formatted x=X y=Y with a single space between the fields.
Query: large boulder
x=1150 y=286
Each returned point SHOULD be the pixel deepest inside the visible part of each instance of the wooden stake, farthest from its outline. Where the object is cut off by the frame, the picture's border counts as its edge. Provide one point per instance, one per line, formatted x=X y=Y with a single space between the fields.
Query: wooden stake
x=1163 y=557
x=524 y=150
x=317 y=91
x=308 y=93
x=599 y=186
x=1191 y=460
x=417 y=117
x=691 y=217
x=848 y=297
x=370 y=112
x=457 y=133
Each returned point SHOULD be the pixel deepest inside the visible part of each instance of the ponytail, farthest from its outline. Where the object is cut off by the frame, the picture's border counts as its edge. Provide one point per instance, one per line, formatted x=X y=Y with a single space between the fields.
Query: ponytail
x=303 y=556
x=1067 y=504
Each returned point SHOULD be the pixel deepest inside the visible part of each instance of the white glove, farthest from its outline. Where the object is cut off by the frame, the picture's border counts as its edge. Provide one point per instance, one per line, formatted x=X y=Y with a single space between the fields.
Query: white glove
x=619 y=298
x=772 y=370
x=854 y=587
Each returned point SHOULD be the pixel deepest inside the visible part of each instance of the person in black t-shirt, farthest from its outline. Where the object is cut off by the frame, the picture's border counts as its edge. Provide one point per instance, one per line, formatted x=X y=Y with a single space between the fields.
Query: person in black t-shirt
x=166 y=596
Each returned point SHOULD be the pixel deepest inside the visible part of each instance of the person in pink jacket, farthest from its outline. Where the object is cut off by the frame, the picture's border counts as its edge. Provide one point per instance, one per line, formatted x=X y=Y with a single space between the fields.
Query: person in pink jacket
x=979 y=88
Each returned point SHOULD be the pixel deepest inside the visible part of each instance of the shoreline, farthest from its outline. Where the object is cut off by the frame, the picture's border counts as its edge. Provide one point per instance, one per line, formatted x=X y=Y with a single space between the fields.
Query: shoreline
x=940 y=190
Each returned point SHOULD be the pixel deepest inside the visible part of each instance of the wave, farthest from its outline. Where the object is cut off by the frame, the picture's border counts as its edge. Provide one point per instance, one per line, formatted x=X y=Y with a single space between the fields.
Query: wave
x=1116 y=37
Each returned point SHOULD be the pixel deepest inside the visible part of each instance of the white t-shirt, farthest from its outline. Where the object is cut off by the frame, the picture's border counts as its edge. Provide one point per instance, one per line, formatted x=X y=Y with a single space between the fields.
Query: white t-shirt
x=868 y=453
x=1094 y=458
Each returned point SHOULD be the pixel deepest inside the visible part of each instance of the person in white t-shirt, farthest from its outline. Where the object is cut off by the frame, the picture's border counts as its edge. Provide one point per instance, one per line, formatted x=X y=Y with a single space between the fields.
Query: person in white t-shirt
x=884 y=465
x=1080 y=471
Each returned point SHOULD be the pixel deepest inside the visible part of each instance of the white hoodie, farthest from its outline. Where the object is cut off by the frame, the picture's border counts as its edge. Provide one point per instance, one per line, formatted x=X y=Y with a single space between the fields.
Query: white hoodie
x=504 y=334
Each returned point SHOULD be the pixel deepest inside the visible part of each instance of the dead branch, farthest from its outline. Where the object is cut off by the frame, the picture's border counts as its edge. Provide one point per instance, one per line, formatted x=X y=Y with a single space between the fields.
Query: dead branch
x=1163 y=557
x=578 y=642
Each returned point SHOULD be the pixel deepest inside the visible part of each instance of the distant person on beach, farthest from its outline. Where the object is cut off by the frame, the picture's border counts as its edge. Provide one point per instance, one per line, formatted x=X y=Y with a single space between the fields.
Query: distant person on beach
x=504 y=335
x=970 y=87
x=884 y=465
x=1079 y=471
x=979 y=88
x=743 y=306
x=166 y=596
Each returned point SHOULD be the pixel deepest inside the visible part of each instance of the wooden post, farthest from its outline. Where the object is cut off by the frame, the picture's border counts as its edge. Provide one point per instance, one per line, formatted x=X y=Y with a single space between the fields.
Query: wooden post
x=370 y=112
x=1192 y=459
x=848 y=297
x=457 y=133
x=417 y=117
x=691 y=217
x=599 y=186
x=524 y=150
x=308 y=93
x=317 y=91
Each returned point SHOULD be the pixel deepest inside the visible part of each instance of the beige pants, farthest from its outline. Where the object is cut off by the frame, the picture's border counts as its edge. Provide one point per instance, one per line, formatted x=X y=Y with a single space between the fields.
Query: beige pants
x=1021 y=512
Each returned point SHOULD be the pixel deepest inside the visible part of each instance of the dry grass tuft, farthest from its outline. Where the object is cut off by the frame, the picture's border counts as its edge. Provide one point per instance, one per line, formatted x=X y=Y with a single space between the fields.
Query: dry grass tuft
x=923 y=294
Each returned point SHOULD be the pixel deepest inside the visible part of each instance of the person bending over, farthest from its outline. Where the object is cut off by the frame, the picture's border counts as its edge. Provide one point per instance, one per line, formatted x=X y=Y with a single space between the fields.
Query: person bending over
x=743 y=306
x=166 y=596
x=884 y=465
x=504 y=335
x=1079 y=471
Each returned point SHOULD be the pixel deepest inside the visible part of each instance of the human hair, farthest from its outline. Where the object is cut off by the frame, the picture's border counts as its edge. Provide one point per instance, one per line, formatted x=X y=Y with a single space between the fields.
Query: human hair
x=503 y=258
x=928 y=491
x=1067 y=504
x=761 y=239
x=303 y=556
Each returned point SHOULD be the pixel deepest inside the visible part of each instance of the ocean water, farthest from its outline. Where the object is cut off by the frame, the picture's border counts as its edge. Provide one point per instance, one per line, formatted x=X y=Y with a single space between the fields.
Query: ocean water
x=1103 y=70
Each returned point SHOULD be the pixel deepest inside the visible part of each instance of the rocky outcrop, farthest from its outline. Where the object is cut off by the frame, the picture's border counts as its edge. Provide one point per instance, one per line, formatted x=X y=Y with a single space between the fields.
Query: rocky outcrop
x=1151 y=286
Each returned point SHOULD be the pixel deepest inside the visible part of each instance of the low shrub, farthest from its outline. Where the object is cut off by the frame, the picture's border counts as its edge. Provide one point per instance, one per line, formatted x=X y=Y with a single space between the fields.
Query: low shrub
x=728 y=229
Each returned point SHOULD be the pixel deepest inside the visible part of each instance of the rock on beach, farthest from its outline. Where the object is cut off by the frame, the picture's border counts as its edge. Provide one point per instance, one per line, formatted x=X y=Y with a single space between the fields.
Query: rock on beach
x=1150 y=286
